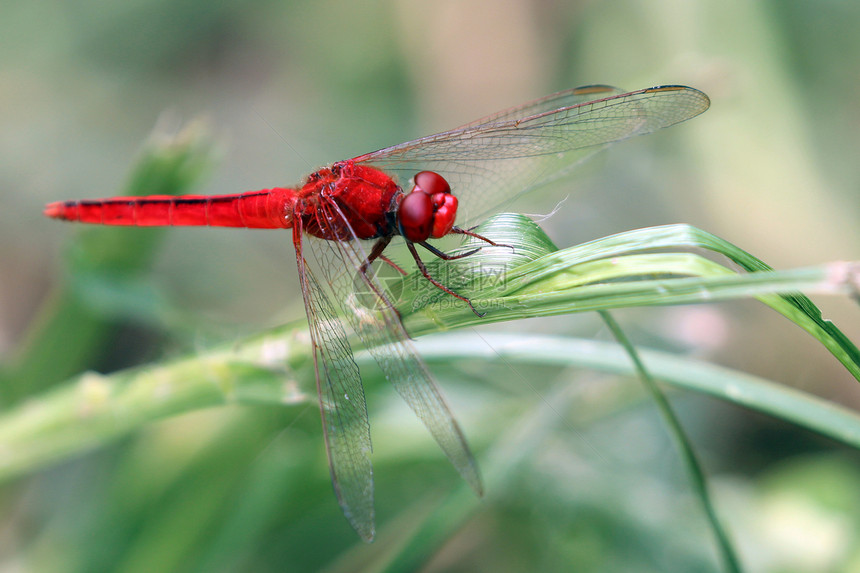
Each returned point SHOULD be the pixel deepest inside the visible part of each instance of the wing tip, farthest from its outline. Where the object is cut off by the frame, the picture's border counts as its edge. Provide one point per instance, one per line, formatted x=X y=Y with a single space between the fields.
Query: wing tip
x=677 y=87
x=365 y=524
x=367 y=534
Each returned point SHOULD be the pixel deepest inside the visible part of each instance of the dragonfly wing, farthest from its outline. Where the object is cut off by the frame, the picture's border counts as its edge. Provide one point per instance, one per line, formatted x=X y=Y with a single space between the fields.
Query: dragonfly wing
x=566 y=98
x=377 y=324
x=490 y=163
x=342 y=403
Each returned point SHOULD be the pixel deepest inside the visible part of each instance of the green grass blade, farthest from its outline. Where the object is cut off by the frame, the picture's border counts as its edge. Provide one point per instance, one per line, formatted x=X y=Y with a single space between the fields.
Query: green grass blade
x=695 y=473
x=610 y=273
x=753 y=392
x=92 y=410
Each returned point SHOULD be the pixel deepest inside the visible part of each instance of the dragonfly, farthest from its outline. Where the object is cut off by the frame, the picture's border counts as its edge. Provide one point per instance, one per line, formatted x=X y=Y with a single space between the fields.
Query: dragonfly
x=344 y=216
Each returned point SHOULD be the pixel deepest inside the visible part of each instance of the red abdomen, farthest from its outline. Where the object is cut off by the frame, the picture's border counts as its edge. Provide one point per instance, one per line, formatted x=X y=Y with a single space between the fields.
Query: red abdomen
x=336 y=203
x=267 y=209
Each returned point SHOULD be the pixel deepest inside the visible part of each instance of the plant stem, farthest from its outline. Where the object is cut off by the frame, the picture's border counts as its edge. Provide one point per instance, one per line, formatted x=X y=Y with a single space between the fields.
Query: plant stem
x=688 y=455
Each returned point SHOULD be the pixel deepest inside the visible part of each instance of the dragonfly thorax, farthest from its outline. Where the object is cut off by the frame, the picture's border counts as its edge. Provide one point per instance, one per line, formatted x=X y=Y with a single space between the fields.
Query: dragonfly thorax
x=347 y=201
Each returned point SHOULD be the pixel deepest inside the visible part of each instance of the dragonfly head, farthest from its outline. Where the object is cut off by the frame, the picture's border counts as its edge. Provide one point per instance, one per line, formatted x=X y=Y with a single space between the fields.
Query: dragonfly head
x=428 y=210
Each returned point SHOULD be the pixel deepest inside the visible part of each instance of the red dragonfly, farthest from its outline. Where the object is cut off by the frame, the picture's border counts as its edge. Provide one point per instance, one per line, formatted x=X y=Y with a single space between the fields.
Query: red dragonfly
x=454 y=176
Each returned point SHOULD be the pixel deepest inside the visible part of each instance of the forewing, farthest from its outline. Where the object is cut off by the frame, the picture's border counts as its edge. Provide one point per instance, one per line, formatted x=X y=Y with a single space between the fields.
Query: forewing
x=377 y=324
x=342 y=403
x=552 y=102
x=490 y=163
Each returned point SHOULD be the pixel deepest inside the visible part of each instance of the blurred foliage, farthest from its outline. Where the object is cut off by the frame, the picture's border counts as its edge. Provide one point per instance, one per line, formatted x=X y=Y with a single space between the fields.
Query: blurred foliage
x=589 y=482
x=106 y=274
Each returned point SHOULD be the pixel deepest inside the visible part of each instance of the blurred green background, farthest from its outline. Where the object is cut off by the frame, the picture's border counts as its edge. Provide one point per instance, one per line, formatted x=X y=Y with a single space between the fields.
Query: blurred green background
x=289 y=86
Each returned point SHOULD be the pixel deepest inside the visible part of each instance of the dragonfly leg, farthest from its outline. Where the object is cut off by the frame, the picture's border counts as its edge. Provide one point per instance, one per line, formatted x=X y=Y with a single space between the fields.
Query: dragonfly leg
x=446 y=256
x=375 y=253
x=392 y=264
x=436 y=283
x=469 y=233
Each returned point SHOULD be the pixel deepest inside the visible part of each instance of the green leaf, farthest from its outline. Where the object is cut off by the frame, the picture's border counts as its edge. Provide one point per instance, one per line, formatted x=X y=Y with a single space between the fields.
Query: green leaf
x=612 y=273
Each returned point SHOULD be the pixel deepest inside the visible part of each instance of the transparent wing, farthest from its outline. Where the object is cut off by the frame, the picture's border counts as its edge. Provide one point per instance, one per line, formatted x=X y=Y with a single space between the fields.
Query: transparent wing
x=552 y=102
x=374 y=320
x=342 y=403
x=491 y=161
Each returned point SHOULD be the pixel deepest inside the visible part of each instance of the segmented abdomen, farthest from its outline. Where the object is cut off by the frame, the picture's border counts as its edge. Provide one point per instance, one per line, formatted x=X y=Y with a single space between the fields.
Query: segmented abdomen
x=267 y=209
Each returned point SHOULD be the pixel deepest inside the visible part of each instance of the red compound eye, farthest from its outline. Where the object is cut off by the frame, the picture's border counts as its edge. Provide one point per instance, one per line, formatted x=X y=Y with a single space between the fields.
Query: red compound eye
x=444 y=213
x=429 y=210
x=415 y=217
x=431 y=183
